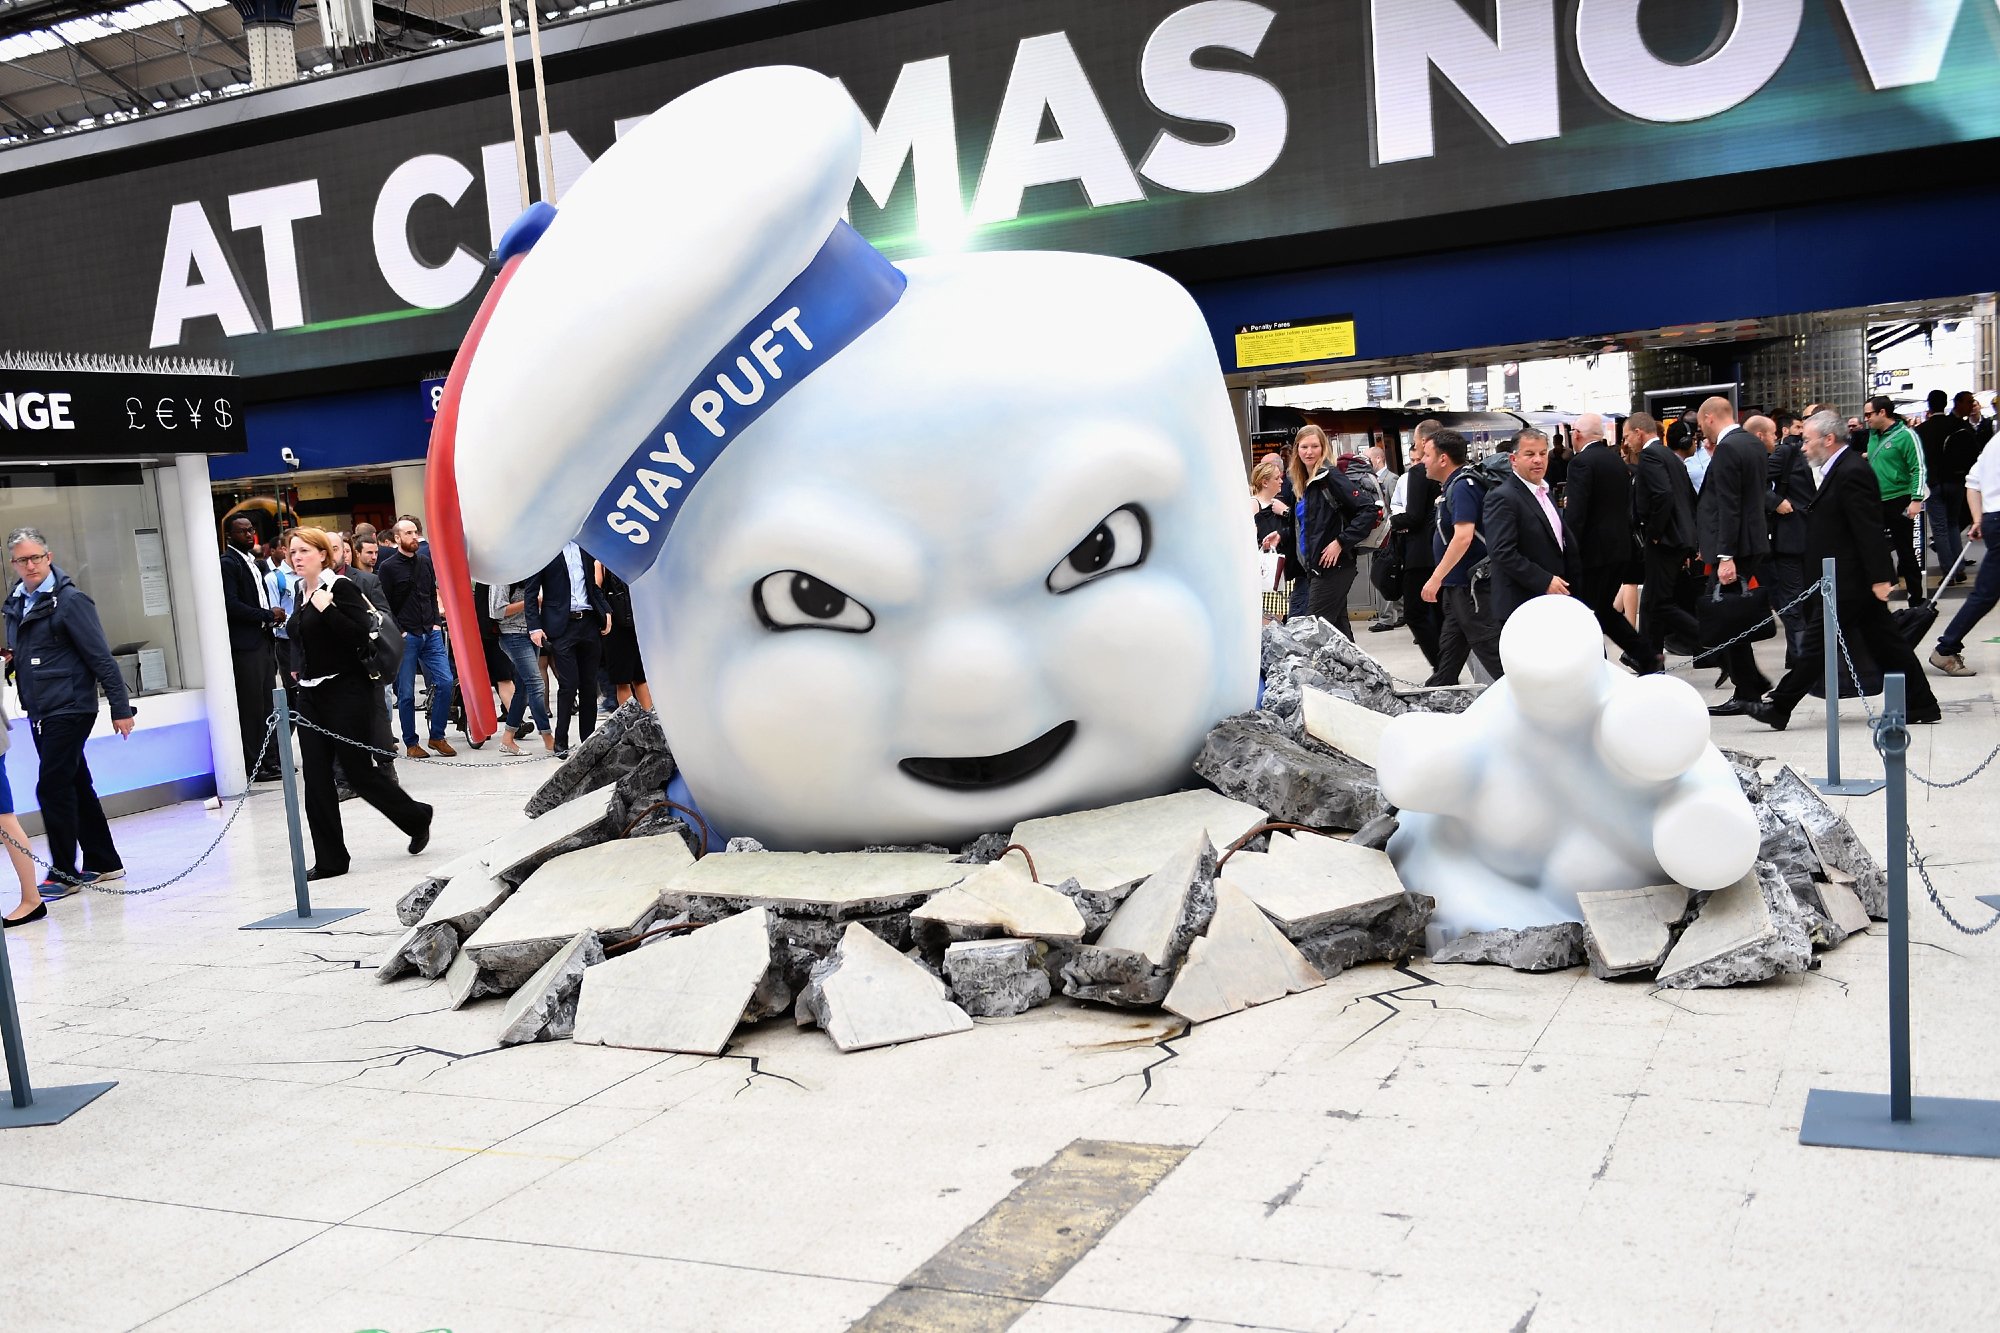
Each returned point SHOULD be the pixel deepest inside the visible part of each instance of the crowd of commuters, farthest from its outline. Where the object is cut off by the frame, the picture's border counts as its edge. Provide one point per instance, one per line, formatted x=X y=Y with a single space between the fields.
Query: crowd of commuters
x=1684 y=540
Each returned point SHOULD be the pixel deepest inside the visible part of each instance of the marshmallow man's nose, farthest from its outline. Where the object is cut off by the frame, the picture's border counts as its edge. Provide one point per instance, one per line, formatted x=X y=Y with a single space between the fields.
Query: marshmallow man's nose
x=973 y=666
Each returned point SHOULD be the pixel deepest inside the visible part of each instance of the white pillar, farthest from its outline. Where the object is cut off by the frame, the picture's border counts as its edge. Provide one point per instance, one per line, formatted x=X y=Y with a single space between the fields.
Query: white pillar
x=218 y=673
x=407 y=480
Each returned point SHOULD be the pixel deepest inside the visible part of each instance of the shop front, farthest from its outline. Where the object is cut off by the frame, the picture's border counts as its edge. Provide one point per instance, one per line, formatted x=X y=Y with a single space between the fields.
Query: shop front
x=111 y=468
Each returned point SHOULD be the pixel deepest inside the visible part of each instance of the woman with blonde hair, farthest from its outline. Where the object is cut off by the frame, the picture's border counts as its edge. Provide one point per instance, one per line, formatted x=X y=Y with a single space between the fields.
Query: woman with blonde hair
x=330 y=634
x=1332 y=520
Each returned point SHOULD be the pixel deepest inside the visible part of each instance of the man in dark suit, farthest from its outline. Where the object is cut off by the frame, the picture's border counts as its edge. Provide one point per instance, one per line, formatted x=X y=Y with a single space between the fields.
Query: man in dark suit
x=1663 y=508
x=252 y=655
x=1734 y=538
x=1844 y=521
x=568 y=613
x=1524 y=532
x=1791 y=493
x=1597 y=512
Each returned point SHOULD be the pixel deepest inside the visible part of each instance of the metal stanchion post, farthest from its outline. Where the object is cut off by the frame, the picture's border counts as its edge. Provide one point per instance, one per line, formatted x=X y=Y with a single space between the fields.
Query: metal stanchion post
x=55 y=1105
x=1899 y=1122
x=1833 y=784
x=305 y=917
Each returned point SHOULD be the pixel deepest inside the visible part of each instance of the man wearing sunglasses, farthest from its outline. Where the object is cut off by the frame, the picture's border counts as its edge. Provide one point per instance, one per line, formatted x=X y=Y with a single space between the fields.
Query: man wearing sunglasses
x=58 y=656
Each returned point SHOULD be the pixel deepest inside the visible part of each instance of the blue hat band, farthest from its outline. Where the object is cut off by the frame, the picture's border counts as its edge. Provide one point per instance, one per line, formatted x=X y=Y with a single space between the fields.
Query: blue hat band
x=845 y=289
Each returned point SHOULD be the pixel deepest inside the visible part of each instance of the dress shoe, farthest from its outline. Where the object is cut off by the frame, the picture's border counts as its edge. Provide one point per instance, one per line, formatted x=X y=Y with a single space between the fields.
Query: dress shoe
x=1925 y=719
x=441 y=746
x=268 y=775
x=1952 y=664
x=1730 y=708
x=1721 y=679
x=41 y=911
x=328 y=872
x=344 y=793
x=416 y=752
x=1769 y=714
x=422 y=837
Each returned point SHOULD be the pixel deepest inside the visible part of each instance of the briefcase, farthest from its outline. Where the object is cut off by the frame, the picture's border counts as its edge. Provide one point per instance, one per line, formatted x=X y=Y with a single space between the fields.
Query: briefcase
x=1725 y=611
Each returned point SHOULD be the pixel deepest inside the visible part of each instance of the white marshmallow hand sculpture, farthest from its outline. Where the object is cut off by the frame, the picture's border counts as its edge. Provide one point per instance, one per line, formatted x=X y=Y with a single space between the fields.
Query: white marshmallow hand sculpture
x=1566 y=776
x=915 y=552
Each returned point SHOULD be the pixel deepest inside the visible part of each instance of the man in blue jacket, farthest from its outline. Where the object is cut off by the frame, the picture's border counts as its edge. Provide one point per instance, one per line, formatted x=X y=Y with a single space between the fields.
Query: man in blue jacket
x=59 y=658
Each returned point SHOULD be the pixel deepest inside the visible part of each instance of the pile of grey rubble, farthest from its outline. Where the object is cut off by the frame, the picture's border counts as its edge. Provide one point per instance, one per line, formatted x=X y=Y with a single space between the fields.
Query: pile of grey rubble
x=602 y=918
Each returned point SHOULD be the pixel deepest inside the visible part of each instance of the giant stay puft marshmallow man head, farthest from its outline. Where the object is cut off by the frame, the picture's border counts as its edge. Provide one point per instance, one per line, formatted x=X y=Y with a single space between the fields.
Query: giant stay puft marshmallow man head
x=915 y=552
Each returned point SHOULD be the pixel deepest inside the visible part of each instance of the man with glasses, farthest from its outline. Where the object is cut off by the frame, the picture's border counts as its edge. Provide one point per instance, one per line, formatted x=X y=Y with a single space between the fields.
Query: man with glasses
x=59 y=657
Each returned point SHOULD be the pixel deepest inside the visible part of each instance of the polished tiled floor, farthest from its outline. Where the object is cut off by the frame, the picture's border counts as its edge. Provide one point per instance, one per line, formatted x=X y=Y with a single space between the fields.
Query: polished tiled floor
x=293 y=1145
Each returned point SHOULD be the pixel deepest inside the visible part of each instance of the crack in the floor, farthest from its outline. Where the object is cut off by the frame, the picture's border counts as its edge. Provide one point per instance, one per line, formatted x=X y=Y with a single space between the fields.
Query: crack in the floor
x=757 y=1071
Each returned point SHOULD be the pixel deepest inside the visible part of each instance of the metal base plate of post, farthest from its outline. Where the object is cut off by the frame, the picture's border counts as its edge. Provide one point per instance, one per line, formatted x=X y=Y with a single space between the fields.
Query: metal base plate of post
x=291 y=920
x=1945 y=1126
x=1848 y=786
x=51 y=1106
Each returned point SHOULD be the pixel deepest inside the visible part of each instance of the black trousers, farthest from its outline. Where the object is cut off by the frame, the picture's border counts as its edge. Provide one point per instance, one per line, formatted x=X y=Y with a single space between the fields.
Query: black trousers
x=1597 y=588
x=574 y=650
x=341 y=706
x=1786 y=577
x=71 y=815
x=1425 y=619
x=1467 y=628
x=1664 y=598
x=1327 y=598
x=256 y=673
x=1902 y=530
x=1864 y=619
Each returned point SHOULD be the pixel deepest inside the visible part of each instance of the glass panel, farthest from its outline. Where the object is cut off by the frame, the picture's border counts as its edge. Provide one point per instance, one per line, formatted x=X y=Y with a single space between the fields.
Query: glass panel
x=103 y=526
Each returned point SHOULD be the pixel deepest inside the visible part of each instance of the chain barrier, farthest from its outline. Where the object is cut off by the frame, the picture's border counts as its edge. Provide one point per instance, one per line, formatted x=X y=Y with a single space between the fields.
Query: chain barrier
x=502 y=759
x=263 y=752
x=1817 y=588
x=1920 y=863
x=1875 y=719
x=120 y=891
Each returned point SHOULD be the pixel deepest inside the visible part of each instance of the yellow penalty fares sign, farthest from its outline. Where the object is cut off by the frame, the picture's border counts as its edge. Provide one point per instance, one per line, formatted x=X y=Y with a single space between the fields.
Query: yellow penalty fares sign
x=1285 y=341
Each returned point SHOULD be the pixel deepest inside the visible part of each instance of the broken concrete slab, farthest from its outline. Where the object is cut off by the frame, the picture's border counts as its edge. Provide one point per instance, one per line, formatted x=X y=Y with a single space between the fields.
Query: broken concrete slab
x=1110 y=849
x=397 y=962
x=1835 y=899
x=1241 y=961
x=612 y=889
x=1376 y=832
x=412 y=906
x=1148 y=922
x=1252 y=758
x=464 y=982
x=1346 y=726
x=999 y=899
x=1549 y=948
x=1095 y=908
x=684 y=993
x=864 y=994
x=1832 y=912
x=1134 y=958
x=544 y=1007
x=1308 y=882
x=579 y=822
x=629 y=744
x=1795 y=801
x=998 y=978
x=1749 y=931
x=1630 y=930
x=836 y=886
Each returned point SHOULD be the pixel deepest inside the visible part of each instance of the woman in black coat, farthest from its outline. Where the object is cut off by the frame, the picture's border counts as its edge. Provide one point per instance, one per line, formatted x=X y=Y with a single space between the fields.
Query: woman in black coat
x=1333 y=518
x=329 y=634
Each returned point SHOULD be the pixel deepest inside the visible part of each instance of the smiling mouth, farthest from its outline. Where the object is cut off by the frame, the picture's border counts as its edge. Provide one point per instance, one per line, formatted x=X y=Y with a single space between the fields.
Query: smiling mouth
x=993 y=770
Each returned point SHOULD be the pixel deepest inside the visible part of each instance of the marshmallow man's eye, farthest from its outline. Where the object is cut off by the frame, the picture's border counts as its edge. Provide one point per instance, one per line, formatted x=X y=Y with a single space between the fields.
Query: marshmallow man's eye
x=789 y=599
x=1119 y=542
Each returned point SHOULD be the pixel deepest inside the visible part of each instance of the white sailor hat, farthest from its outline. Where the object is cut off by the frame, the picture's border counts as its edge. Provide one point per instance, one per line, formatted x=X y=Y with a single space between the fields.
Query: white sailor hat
x=697 y=271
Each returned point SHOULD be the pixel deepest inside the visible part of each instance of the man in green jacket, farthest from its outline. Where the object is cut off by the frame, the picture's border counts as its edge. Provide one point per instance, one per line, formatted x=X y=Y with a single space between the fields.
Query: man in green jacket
x=1898 y=460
